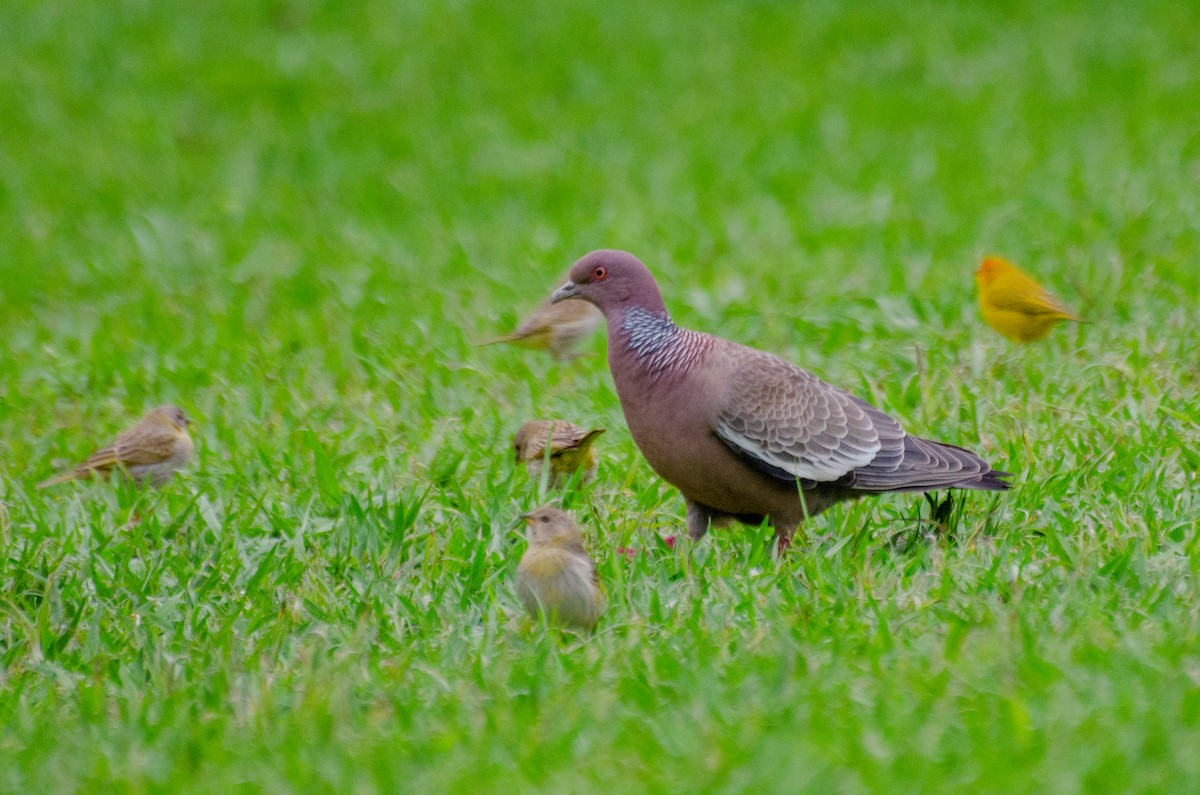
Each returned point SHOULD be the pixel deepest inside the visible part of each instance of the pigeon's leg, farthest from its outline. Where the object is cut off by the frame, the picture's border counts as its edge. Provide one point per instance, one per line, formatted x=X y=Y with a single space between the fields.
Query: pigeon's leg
x=698 y=519
x=941 y=512
x=783 y=535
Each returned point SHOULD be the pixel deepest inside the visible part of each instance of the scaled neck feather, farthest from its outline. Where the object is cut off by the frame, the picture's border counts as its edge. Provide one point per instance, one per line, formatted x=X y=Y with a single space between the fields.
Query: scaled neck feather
x=660 y=346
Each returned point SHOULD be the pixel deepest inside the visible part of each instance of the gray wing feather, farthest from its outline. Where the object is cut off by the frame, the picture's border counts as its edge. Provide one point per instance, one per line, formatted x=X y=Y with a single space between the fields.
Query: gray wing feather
x=792 y=422
x=929 y=465
x=793 y=426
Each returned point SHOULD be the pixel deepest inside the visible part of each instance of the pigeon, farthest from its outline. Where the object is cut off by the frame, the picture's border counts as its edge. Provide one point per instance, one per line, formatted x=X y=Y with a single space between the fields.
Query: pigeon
x=570 y=449
x=148 y=453
x=743 y=434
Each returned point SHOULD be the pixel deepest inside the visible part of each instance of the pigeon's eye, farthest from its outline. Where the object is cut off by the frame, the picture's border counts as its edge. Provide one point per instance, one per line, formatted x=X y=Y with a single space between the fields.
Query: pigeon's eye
x=599 y=274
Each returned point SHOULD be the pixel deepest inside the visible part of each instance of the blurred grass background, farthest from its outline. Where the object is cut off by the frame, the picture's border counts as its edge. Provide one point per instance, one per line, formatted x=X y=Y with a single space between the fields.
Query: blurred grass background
x=294 y=218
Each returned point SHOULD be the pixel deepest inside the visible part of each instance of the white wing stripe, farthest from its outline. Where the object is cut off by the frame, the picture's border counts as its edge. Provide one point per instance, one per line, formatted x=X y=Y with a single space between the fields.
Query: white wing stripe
x=826 y=468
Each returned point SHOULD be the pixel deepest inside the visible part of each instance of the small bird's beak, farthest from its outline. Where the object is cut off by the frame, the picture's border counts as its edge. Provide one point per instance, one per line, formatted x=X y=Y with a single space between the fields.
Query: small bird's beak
x=520 y=525
x=568 y=290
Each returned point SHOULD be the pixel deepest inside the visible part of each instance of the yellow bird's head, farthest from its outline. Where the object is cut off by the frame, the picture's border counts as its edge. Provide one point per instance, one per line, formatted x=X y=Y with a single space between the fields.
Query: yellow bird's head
x=991 y=268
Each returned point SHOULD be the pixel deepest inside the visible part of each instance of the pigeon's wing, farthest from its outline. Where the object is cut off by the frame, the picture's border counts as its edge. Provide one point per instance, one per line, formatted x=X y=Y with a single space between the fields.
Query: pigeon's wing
x=792 y=425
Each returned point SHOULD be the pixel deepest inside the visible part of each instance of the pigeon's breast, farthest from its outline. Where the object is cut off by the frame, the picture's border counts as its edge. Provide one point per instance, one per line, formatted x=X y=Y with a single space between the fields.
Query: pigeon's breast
x=670 y=411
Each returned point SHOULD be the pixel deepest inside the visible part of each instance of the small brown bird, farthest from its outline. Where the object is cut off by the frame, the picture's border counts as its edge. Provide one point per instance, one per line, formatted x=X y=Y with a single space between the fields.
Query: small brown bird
x=556 y=577
x=1014 y=304
x=570 y=449
x=149 y=452
x=557 y=328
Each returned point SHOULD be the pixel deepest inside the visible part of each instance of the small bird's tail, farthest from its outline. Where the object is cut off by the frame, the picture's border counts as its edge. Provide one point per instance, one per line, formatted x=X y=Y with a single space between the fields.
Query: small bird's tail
x=590 y=437
x=1060 y=312
x=495 y=340
x=60 y=478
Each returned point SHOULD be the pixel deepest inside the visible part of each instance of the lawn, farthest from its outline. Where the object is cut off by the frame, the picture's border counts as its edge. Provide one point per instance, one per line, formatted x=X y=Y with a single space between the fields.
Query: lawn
x=295 y=219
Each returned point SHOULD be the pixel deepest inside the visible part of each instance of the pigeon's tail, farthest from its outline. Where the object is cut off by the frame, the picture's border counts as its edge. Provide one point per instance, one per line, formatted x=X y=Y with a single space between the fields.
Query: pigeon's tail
x=927 y=465
x=993 y=480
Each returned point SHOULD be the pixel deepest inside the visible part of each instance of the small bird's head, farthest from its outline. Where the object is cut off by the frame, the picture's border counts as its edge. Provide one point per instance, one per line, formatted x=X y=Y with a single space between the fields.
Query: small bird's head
x=991 y=267
x=525 y=434
x=550 y=526
x=170 y=416
x=612 y=280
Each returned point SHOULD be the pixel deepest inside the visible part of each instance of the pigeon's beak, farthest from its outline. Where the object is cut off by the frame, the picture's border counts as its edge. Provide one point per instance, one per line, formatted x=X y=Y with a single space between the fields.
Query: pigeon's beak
x=568 y=290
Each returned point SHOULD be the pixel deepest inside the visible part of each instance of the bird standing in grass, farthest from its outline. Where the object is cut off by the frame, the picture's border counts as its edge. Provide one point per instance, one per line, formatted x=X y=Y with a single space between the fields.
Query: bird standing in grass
x=559 y=329
x=149 y=452
x=1014 y=304
x=556 y=577
x=566 y=446
x=743 y=434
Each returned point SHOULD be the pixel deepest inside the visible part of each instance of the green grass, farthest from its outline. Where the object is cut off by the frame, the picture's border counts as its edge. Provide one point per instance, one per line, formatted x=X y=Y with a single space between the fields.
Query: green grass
x=294 y=218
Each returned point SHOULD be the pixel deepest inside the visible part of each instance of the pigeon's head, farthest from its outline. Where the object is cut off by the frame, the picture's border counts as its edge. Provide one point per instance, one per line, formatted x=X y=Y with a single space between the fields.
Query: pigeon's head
x=613 y=281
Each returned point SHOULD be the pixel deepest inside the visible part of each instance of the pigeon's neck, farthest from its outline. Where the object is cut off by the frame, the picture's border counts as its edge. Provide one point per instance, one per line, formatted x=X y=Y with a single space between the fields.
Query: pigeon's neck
x=654 y=345
x=648 y=333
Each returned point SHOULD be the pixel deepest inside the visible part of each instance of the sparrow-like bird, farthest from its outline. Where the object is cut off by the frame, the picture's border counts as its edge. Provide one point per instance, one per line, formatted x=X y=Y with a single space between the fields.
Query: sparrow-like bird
x=1016 y=305
x=556 y=577
x=148 y=453
x=743 y=434
x=566 y=446
x=558 y=328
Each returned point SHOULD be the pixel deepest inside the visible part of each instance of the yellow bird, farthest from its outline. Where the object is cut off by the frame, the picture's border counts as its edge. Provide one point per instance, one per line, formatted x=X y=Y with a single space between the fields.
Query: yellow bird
x=556 y=577
x=1014 y=304
x=570 y=449
x=149 y=452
